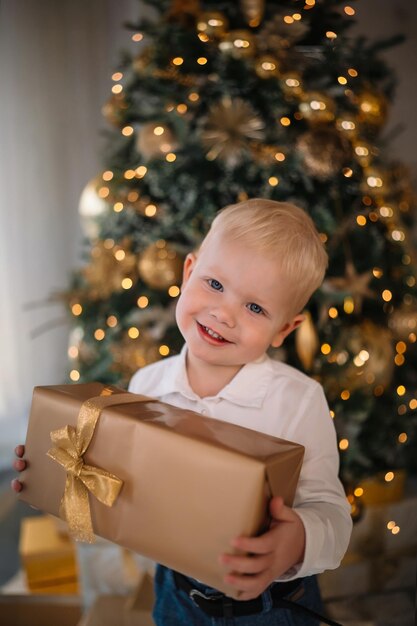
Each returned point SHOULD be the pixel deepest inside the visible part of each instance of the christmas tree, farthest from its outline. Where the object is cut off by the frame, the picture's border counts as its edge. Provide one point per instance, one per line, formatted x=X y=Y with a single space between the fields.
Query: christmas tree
x=231 y=100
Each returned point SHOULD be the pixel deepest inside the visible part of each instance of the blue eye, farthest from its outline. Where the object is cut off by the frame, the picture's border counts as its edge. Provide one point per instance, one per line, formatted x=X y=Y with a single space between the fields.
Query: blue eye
x=214 y=284
x=255 y=308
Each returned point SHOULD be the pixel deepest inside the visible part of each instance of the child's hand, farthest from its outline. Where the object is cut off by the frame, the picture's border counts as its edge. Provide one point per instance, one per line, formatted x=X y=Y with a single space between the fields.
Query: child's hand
x=19 y=465
x=271 y=554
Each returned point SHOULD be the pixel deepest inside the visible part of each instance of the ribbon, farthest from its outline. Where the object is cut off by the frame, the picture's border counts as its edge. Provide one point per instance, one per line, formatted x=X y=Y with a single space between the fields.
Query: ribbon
x=70 y=444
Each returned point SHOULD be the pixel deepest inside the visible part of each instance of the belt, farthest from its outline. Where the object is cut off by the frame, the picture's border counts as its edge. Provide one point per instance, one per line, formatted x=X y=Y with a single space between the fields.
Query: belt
x=220 y=605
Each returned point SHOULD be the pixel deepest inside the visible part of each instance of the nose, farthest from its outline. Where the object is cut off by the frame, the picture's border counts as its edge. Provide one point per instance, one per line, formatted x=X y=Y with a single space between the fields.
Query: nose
x=224 y=314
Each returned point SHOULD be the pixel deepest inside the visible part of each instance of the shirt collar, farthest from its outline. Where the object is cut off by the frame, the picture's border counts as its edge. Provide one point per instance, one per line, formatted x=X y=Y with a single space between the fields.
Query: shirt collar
x=248 y=388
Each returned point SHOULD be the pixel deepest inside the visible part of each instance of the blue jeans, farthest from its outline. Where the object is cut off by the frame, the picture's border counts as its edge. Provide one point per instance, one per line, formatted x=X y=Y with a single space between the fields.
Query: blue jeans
x=173 y=607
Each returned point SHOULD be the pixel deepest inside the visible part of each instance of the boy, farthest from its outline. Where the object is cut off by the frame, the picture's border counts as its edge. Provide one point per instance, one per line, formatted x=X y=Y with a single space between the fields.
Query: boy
x=243 y=292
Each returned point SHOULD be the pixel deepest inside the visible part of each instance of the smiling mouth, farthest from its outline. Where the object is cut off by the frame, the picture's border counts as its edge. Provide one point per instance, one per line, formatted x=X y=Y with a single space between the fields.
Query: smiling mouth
x=212 y=334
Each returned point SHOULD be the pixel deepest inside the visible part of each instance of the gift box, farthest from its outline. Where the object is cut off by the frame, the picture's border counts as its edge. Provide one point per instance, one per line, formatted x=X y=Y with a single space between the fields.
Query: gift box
x=21 y=610
x=165 y=482
x=47 y=556
x=134 y=610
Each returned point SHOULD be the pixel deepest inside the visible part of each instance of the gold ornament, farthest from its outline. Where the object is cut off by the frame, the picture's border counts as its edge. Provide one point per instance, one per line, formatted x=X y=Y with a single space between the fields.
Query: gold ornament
x=212 y=23
x=131 y=354
x=229 y=128
x=160 y=265
x=364 y=152
x=240 y=44
x=92 y=206
x=316 y=107
x=267 y=66
x=372 y=108
x=253 y=11
x=114 y=110
x=155 y=139
x=372 y=356
x=347 y=124
x=324 y=151
x=352 y=284
x=403 y=321
x=366 y=353
x=108 y=268
x=306 y=341
x=291 y=84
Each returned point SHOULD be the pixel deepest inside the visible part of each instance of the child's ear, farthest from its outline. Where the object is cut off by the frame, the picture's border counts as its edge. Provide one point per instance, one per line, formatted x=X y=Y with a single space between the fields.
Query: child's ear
x=286 y=330
x=189 y=263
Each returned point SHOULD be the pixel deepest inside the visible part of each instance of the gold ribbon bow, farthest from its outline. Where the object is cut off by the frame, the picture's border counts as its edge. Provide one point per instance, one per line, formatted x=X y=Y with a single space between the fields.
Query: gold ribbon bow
x=70 y=444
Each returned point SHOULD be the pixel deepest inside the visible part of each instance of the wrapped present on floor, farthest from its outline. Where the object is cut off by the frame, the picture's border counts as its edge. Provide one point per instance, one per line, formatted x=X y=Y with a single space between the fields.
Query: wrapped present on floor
x=48 y=557
x=132 y=610
x=164 y=482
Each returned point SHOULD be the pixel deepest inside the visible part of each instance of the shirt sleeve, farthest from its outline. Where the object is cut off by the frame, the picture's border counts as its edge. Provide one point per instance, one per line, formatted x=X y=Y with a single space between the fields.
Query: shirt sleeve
x=320 y=499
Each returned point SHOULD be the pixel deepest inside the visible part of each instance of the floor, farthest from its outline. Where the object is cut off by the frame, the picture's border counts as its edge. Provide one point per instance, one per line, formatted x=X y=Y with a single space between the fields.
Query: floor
x=352 y=593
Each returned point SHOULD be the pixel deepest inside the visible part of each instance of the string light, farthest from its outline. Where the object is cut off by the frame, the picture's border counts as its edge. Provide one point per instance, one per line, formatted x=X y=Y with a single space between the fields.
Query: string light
x=120 y=255
x=171 y=157
x=150 y=210
x=107 y=175
x=352 y=72
x=333 y=312
x=117 y=88
x=341 y=80
x=386 y=295
x=401 y=390
x=99 y=334
x=285 y=121
x=73 y=352
x=389 y=476
x=326 y=348
x=361 y=220
x=182 y=108
x=127 y=131
x=413 y=404
x=133 y=332
x=331 y=34
x=129 y=174
x=163 y=350
x=74 y=375
x=142 y=302
x=111 y=321
x=202 y=60
x=348 y=305
x=127 y=283
x=118 y=206
x=76 y=309
x=117 y=76
x=279 y=156
x=174 y=291
x=273 y=181
x=178 y=61
x=402 y=437
x=343 y=444
x=358 y=492
x=137 y=37
x=141 y=171
x=349 y=10
x=345 y=395
x=103 y=192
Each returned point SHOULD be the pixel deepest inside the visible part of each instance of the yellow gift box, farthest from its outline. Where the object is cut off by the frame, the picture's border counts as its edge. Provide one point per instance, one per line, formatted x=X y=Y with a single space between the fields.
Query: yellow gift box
x=48 y=557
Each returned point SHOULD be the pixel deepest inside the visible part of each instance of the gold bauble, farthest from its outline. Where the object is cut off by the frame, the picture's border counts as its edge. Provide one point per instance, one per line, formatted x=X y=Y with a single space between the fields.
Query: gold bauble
x=131 y=354
x=160 y=265
x=267 y=66
x=253 y=11
x=239 y=44
x=229 y=130
x=307 y=341
x=291 y=84
x=363 y=152
x=316 y=107
x=109 y=266
x=324 y=151
x=403 y=321
x=212 y=23
x=347 y=124
x=369 y=356
x=155 y=139
x=114 y=110
x=372 y=108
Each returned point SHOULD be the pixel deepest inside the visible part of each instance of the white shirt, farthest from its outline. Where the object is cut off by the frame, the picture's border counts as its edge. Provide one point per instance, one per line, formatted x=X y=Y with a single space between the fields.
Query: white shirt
x=276 y=399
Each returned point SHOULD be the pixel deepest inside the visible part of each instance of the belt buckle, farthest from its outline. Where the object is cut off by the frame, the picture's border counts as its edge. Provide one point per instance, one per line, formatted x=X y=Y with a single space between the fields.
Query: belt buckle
x=196 y=593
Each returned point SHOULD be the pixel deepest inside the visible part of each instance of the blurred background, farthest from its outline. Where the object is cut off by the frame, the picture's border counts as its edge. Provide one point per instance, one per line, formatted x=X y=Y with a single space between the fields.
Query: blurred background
x=57 y=62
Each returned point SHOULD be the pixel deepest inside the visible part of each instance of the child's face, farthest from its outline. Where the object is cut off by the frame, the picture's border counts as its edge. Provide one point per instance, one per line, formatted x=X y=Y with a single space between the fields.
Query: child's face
x=233 y=304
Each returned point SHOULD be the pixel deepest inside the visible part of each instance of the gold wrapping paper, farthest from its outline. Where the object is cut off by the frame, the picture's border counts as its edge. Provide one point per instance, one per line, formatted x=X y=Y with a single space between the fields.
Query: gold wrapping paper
x=190 y=483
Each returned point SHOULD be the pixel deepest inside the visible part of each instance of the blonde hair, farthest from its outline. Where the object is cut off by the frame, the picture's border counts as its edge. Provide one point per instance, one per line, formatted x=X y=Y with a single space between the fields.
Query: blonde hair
x=281 y=231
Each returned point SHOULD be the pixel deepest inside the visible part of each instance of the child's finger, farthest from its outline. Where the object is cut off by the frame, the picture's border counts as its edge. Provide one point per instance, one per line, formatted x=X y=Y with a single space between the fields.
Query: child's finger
x=19 y=465
x=255 y=545
x=19 y=450
x=245 y=564
x=16 y=485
